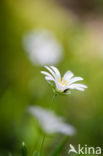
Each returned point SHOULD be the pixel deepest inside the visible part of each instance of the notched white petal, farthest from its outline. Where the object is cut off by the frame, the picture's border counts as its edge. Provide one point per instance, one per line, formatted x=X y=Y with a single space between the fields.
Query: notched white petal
x=78 y=86
x=80 y=89
x=75 y=79
x=68 y=75
x=47 y=74
x=51 y=71
x=49 y=78
x=56 y=71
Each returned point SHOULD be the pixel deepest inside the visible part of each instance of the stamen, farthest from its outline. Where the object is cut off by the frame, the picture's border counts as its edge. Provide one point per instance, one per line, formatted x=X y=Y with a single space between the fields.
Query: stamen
x=63 y=82
x=60 y=81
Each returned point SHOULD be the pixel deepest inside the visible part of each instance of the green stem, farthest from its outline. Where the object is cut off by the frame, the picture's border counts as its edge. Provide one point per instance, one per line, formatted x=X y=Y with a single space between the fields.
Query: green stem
x=43 y=140
x=54 y=95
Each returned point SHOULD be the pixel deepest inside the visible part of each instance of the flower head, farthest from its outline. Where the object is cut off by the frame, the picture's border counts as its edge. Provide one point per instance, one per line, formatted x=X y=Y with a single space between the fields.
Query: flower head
x=49 y=122
x=63 y=85
x=42 y=47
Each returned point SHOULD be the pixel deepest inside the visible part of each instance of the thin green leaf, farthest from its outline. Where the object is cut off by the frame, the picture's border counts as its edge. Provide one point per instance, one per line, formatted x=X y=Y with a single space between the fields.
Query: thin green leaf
x=59 y=148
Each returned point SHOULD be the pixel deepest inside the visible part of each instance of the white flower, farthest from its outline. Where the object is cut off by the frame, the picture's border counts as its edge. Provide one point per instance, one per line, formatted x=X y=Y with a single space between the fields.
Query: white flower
x=65 y=84
x=49 y=122
x=42 y=47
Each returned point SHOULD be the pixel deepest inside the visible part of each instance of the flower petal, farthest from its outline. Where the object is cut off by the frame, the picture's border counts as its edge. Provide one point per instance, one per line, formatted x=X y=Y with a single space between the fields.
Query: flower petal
x=74 y=80
x=47 y=75
x=58 y=75
x=67 y=129
x=81 y=89
x=51 y=71
x=49 y=122
x=77 y=86
x=49 y=78
x=68 y=75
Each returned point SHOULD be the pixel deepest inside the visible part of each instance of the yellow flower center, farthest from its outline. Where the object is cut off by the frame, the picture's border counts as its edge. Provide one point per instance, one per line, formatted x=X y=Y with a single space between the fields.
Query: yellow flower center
x=62 y=81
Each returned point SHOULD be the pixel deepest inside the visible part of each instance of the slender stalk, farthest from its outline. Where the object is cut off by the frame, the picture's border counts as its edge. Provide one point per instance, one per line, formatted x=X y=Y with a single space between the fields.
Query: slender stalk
x=51 y=104
x=53 y=98
x=43 y=140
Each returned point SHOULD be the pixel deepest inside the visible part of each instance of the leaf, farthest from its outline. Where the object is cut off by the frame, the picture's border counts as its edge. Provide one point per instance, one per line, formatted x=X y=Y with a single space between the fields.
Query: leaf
x=59 y=148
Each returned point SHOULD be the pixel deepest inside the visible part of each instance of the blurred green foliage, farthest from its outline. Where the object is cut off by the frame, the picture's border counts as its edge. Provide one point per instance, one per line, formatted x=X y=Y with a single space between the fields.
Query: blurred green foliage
x=21 y=83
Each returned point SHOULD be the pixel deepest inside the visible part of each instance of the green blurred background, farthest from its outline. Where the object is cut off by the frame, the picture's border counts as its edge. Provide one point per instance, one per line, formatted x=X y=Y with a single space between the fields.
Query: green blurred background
x=79 y=28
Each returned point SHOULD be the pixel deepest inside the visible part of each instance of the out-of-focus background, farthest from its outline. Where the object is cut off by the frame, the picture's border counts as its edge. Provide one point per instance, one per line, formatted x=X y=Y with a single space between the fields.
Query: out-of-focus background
x=72 y=33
